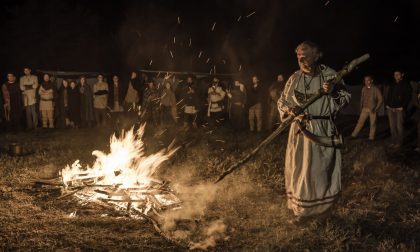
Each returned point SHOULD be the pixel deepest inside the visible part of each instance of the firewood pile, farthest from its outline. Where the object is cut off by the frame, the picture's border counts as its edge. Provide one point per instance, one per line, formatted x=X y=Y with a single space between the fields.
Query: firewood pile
x=138 y=202
x=153 y=198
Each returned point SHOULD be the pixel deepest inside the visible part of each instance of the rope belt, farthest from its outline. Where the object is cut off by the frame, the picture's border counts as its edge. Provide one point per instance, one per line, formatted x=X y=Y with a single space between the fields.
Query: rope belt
x=312 y=117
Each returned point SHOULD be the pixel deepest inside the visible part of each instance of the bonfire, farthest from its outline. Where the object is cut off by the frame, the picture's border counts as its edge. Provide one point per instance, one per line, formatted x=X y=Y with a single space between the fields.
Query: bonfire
x=122 y=180
x=124 y=177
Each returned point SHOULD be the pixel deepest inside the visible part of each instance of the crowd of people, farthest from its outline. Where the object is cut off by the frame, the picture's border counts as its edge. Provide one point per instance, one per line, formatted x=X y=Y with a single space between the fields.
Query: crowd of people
x=30 y=103
x=169 y=101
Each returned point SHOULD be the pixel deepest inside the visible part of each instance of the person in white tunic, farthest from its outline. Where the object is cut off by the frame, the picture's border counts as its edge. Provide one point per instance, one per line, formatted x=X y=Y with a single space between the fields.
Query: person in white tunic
x=312 y=171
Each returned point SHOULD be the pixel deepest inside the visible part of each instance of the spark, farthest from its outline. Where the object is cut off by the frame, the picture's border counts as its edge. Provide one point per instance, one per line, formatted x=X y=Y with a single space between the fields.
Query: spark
x=239 y=18
x=172 y=55
x=211 y=70
x=174 y=40
x=199 y=55
x=179 y=20
x=326 y=3
x=396 y=18
x=179 y=101
x=240 y=67
x=214 y=67
x=214 y=25
x=207 y=61
x=222 y=141
x=189 y=44
x=250 y=14
x=160 y=133
x=151 y=61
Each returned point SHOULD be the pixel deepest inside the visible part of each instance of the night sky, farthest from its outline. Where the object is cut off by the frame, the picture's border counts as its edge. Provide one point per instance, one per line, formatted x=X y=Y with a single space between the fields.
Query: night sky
x=256 y=36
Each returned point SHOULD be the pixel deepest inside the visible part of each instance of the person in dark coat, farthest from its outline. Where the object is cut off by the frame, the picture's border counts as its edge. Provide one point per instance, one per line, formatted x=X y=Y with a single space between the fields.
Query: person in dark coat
x=150 y=107
x=396 y=102
x=12 y=103
x=192 y=105
x=237 y=102
x=87 y=115
x=74 y=104
x=63 y=115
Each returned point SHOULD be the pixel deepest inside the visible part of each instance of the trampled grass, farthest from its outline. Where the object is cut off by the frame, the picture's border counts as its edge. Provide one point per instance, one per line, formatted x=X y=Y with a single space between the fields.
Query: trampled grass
x=379 y=209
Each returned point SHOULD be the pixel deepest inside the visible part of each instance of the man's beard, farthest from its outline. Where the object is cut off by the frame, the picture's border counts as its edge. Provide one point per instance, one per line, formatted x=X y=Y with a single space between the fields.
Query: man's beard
x=305 y=67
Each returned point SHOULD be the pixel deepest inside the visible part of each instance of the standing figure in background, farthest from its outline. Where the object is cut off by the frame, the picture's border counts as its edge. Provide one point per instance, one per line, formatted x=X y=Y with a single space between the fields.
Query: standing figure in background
x=150 y=105
x=216 y=96
x=396 y=103
x=100 y=100
x=63 y=105
x=46 y=104
x=237 y=97
x=370 y=102
x=275 y=91
x=132 y=98
x=28 y=86
x=74 y=104
x=116 y=101
x=312 y=172
x=191 y=102
x=13 y=105
x=87 y=115
x=168 y=105
x=116 y=95
x=255 y=104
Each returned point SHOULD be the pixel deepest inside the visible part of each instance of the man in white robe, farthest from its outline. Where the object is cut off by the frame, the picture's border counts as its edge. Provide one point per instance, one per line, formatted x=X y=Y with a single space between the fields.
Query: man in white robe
x=312 y=171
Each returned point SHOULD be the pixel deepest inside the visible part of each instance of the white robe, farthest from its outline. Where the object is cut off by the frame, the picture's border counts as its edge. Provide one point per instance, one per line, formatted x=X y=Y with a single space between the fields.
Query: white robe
x=312 y=172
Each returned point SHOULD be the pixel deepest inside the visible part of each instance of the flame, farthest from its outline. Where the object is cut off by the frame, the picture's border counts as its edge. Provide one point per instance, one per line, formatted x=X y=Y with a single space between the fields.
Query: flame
x=126 y=166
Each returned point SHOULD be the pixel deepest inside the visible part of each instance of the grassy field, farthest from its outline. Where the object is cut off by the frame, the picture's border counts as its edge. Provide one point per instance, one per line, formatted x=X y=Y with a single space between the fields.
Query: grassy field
x=379 y=209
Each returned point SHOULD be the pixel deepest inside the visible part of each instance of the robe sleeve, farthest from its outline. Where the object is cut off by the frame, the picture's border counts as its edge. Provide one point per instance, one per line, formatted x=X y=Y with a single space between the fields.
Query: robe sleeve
x=285 y=102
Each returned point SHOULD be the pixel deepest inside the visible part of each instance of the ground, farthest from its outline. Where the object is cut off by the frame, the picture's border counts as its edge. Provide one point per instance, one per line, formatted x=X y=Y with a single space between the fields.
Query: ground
x=379 y=209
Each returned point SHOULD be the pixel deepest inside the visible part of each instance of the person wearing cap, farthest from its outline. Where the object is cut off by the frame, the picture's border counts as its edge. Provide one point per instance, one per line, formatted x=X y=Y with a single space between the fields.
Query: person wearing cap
x=370 y=102
x=312 y=171
x=216 y=95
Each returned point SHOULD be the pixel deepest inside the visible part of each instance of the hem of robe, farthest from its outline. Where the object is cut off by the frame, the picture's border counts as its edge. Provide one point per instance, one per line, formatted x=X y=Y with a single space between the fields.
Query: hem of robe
x=302 y=207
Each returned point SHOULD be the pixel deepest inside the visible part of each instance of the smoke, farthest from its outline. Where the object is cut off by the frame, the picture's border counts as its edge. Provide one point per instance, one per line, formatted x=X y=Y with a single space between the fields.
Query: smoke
x=191 y=222
x=215 y=231
x=198 y=220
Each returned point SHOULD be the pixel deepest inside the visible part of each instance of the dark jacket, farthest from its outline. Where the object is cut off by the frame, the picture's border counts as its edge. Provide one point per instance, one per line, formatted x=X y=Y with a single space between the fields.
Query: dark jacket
x=122 y=91
x=254 y=95
x=399 y=95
